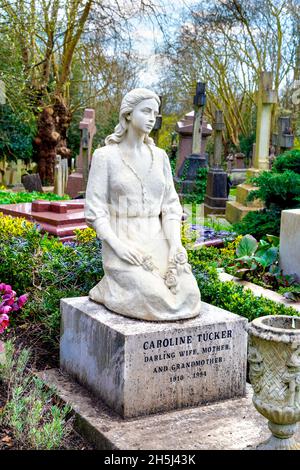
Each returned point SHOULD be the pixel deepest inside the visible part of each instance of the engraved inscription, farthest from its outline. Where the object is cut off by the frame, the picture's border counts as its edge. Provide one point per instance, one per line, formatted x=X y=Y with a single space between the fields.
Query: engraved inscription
x=187 y=357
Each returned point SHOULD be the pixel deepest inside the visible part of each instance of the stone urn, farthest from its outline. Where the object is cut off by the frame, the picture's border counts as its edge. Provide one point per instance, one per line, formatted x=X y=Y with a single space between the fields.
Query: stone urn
x=274 y=371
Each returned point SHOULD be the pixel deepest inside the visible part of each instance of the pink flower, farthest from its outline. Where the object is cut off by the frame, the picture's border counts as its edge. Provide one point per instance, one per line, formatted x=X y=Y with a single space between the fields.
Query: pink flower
x=5 y=309
x=8 y=299
x=22 y=300
x=4 y=321
x=6 y=288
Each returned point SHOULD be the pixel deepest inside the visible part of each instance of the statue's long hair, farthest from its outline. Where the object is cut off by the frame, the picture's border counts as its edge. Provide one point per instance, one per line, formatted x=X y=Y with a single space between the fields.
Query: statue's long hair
x=130 y=100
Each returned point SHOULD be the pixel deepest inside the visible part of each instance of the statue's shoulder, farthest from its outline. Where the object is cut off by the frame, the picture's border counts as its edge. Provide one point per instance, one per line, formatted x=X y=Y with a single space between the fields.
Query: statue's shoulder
x=106 y=152
x=158 y=152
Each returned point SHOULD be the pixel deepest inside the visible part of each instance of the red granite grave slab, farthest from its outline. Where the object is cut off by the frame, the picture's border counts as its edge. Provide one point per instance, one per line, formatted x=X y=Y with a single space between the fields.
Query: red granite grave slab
x=59 y=218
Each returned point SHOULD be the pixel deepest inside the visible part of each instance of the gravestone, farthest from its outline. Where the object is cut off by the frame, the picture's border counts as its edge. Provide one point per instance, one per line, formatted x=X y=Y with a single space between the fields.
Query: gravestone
x=139 y=367
x=289 y=251
x=216 y=189
x=188 y=172
x=32 y=183
x=266 y=97
x=238 y=169
x=61 y=173
x=284 y=139
x=184 y=129
x=77 y=181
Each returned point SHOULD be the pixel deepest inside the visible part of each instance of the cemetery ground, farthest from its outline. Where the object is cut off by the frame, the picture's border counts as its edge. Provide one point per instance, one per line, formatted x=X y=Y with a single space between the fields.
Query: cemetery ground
x=42 y=270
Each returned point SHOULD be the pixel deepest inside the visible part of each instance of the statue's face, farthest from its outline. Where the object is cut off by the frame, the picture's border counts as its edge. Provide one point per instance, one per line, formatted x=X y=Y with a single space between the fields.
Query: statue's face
x=143 y=116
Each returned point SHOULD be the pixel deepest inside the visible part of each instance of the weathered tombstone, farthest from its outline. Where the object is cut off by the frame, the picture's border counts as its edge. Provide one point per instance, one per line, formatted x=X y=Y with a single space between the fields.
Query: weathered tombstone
x=3 y=165
x=216 y=189
x=266 y=97
x=184 y=129
x=265 y=100
x=239 y=161
x=77 y=180
x=238 y=170
x=15 y=170
x=188 y=172
x=32 y=183
x=289 y=251
x=284 y=139
x=230 y=160
x=58 y=177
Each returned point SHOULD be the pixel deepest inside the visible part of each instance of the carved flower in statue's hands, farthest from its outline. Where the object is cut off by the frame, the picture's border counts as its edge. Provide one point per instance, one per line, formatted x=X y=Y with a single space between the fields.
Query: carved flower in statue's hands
x=171 y=280
x=180 y=257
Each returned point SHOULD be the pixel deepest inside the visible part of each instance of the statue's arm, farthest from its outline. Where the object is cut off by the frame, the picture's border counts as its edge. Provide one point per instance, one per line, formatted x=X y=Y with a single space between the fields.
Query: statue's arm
x=171 y=209
x=97 y=200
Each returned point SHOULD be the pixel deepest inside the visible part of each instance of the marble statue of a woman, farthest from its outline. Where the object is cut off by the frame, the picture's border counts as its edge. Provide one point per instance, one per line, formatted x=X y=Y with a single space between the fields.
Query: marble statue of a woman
x=132 y=204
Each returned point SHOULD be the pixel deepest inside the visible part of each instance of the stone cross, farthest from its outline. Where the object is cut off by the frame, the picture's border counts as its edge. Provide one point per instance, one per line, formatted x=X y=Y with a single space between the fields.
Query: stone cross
x=266 y=97
x=88 y=130
x=199 y=103
x=218 y=127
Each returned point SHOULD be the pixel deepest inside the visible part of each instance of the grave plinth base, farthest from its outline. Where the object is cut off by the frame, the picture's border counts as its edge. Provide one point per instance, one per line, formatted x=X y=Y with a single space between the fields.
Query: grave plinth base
x=216 y=192
x=140 y=368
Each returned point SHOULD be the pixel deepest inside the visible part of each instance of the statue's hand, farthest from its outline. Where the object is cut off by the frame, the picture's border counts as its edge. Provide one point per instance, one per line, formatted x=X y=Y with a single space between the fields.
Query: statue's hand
x=128 y=254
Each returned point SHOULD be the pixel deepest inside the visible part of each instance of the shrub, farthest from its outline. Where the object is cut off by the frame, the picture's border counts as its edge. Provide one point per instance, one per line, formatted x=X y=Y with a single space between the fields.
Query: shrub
x=235 y=298
x=9 y=197
x=30 y=411
x=258 y=223
x=15 y=227
x=287 y=161
x=47 y=270
x=281 y=190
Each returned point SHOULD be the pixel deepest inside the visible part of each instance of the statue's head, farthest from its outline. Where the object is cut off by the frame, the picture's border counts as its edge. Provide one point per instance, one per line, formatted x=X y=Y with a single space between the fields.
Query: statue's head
x=129 y=102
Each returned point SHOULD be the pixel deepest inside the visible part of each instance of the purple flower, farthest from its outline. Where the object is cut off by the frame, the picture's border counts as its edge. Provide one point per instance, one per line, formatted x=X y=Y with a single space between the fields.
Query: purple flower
x=22 y=300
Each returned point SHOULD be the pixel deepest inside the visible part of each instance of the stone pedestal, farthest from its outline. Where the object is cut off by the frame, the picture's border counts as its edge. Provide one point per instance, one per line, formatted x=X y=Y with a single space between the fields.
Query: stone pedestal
x=289 y=252
x=236 y=210
x=184 y=128
x=140 y=368
x=216 y=192
x=186 y=181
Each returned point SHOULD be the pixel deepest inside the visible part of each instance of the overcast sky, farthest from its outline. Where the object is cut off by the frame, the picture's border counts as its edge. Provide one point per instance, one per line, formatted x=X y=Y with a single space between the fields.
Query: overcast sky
x=148 y=36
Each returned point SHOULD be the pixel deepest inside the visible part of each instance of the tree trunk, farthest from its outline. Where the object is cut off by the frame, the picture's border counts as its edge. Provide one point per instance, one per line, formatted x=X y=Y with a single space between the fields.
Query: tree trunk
x=51 y=139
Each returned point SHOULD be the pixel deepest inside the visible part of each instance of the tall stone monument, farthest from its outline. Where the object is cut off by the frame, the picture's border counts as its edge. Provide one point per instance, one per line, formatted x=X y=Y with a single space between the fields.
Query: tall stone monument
x=266 y=98
x=188 y=172
x=184 y=129
x=216 y=190
x=77 y=181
